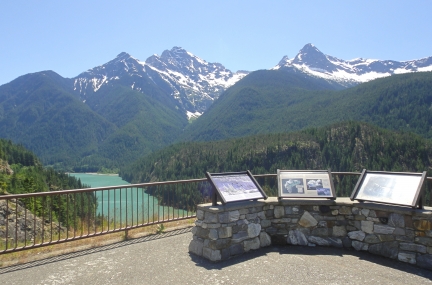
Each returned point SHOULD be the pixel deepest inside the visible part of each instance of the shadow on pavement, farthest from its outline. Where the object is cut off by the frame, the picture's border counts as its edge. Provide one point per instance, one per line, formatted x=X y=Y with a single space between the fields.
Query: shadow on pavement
x=313 y=251
x=93 y=250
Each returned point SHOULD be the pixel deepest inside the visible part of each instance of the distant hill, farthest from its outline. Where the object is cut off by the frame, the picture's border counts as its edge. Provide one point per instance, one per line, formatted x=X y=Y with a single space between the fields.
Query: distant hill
x=114 y=113
x=269 y=102
x=37 y=111
x=41 y=111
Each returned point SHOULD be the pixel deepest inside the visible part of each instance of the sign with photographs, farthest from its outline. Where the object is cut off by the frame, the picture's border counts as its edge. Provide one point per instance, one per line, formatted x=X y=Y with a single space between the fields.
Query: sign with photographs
x=235 y=186
x=390 y=187
x=305 y=184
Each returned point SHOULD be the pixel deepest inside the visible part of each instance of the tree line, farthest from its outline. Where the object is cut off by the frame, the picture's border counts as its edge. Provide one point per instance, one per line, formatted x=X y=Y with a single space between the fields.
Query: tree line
x=342 y=147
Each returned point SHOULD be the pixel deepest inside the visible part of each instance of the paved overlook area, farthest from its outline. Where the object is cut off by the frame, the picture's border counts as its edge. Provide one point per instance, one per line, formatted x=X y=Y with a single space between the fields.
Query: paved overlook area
x=164 y=259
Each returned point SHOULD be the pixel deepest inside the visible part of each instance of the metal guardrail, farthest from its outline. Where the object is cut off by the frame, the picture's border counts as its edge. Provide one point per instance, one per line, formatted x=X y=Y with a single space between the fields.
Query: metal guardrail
x=45 y=218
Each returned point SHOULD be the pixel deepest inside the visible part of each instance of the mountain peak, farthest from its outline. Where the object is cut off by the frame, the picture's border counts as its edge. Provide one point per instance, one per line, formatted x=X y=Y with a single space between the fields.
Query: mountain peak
x=123 y=55
x=310 y=55
x=312 y=61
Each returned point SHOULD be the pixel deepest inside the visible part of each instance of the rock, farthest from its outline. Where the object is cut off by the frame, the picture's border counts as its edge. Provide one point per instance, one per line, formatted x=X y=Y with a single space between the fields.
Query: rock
x=408 y=257
x=372 y=239
x=218 y=244
x=224 y=217
x=252 y=244
x=424 y=241
x=345 y=210
x=213 y=255
x=296 y=237
x=357 y=235
x=265 y=239
x=358 y=245
x=240 y=236
x=210 y=217
x=213 y=234
x=307 y=220
x=387 y=249
x=196 y=247
x=279 y=212
x=367 y=226
x=322 y=232
x=339 y=231
x=200 y=214
x=413 y=247
x=425 y=261
x=236 y=249
x=254 y=230
x=318 y=241
x=234 y=216
x=225 y=232
x=383 y=229
x=396 y=220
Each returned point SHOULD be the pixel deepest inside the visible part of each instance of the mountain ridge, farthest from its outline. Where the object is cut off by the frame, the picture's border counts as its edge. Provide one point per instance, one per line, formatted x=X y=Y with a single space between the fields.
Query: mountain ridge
x=126 y=108
x=312 y=61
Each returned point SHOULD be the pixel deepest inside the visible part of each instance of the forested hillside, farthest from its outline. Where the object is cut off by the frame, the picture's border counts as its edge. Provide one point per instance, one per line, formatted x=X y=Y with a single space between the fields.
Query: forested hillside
x=22 y=172
x=267 y=102
x=143 y=125
x=42 y=112
x=347 y=146
x=37 y=111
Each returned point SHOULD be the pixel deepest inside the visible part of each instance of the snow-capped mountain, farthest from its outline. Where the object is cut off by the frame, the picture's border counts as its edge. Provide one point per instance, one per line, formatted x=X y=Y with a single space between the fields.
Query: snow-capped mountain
x=191 y=81
x=312 y=61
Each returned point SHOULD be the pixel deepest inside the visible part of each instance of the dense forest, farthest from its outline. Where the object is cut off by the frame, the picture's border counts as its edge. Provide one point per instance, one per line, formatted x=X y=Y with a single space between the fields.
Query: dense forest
x=344 y=147
x=22 y=172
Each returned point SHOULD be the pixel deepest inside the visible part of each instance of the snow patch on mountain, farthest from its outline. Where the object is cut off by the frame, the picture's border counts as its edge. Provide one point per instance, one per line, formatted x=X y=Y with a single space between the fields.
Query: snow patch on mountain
x=190 y=80
x=312 y=61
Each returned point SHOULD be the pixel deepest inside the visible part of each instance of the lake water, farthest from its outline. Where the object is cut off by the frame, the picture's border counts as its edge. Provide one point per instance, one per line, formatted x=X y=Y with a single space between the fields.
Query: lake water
x=129 y=205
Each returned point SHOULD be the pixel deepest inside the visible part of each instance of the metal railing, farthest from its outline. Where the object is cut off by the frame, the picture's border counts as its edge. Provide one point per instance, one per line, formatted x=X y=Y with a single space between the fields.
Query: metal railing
x=46 y=218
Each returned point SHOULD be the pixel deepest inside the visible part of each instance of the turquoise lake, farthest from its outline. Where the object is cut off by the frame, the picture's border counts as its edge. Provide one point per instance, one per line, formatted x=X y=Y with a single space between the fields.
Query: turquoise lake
x=128 y=205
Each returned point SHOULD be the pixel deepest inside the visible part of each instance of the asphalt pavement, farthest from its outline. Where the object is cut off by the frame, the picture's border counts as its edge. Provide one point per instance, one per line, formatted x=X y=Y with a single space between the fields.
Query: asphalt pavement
x=164 y=259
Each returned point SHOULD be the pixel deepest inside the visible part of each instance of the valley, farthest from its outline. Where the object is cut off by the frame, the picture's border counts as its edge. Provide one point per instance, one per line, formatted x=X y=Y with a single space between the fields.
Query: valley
x=125 y=110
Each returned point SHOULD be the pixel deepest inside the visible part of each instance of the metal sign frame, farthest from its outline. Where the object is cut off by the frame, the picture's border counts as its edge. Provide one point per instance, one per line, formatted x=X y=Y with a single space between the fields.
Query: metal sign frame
x=396 y=188
x=234 y=187
x=305 y=184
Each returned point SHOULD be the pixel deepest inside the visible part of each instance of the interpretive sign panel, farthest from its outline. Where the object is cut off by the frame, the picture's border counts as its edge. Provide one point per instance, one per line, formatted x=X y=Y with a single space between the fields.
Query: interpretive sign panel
x=305 y=184
x=235 y=186
x=397 y=188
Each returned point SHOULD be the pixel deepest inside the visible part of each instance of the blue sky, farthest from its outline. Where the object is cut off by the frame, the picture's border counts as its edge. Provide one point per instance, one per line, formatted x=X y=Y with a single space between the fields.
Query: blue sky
x=70 y=37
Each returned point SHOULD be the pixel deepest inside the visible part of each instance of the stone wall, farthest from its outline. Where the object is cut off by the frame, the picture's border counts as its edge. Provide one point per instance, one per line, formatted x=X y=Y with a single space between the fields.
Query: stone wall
x=401 y=233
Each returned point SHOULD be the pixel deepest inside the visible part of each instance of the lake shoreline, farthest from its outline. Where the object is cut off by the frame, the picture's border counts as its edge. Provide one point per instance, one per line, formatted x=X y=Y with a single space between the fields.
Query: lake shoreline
x=93 y=173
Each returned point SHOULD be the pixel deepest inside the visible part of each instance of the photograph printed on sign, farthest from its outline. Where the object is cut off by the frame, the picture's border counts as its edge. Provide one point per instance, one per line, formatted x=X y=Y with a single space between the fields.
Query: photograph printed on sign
x=304 y=184
x=292 y=185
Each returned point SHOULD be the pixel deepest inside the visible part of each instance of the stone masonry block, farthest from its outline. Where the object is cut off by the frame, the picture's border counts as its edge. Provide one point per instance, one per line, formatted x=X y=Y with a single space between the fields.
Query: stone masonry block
x=265 y=239
x=210 y=217
x=307 y=220
x=251 y=244
x=196 y=247
x=279 y=212
x=213 y=255
x=234 y=216
x=200 y=214
x=225 y=232
x=367 y=226
x=254 y=230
